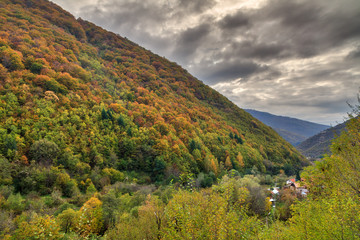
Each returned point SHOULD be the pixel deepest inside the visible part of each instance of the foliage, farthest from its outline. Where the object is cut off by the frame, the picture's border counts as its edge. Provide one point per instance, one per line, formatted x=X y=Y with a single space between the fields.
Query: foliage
x=16 y=203
x=147 y=225
x=207 y=215
x=90 y=218
x=253 y=195
x=67 y=220
x=90 y=101
x=39 y=228
x=92 y=127
x=44 y=151
x=5 y=168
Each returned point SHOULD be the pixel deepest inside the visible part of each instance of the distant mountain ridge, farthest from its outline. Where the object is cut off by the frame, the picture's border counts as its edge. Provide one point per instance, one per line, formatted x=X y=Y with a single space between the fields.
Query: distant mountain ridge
x=292 y=130
x=319 y=144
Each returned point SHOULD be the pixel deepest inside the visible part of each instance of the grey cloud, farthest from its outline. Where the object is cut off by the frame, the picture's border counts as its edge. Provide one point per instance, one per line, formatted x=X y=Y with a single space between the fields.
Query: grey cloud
x=324 y=104
x=251 y=49
x=190 y=39
x=197 y=6
x=150 y=24
x=130 y=13
x=320 y=104
x=233 y=21
x=311 y=27
x=319 y=92
x=138 y=21
x=355 y=54
x=195 y=34
x=229 y=71
x=292 y=13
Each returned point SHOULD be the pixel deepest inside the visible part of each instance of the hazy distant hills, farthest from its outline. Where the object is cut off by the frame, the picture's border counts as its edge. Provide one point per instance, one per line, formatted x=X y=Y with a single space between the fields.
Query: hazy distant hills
x=291 y=129
x=318 y=145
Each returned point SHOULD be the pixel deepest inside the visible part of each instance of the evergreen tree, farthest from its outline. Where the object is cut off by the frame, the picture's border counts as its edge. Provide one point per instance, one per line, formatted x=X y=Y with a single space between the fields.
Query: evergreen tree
x=104 y=114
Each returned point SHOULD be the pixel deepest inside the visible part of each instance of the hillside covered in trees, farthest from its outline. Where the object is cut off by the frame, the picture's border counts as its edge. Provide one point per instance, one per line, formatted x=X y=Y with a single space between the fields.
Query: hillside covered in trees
x=76 y=96
x=319 y=145
x=97 y=134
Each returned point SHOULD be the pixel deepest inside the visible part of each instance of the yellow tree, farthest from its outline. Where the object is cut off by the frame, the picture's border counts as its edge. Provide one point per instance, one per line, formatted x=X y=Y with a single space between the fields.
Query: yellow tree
x=206 y=215
x=228 y=163
x=147 y=225
x=44 y=228
x=90 y=219
x=240 y=160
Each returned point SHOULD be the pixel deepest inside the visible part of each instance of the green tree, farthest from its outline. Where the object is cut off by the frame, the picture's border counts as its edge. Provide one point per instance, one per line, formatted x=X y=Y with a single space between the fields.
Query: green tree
x=121 y=121
x=67 y=220
x=44 y=151
x=16 y=203
x=5 y=171
x=104 y=114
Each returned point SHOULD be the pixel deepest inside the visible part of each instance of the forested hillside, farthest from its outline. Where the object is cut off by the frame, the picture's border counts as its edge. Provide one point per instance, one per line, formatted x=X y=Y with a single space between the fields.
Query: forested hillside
x=91 y=124
x=76 y=96
x=319 y=145
x=102 y=139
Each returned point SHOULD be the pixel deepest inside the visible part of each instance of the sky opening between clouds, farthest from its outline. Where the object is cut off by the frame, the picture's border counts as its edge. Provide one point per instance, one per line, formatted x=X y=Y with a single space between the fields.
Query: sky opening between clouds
x=298 y=58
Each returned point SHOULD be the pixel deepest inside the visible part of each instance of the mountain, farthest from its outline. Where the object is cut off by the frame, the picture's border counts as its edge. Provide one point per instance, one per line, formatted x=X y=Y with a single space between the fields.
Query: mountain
x=291 y=129
x=99 y=108
x=319 y=144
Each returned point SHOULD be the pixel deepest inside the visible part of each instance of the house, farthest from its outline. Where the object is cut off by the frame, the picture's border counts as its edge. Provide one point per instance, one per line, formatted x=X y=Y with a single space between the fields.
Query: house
x=303 y=191
x=275 y=191
x=290 y=181
x=292 y=184
x=272 y=200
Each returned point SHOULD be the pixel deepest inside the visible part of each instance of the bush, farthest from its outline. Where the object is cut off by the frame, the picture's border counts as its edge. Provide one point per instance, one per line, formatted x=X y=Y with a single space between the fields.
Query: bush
x=16 y=203
x=11 y=59
x=5 y=167
x=44 y=151
x=36 y=67
x=39 y=228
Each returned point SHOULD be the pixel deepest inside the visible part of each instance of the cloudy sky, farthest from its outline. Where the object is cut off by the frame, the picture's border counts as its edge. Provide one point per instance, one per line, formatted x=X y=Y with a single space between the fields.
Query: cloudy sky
x=298 y=58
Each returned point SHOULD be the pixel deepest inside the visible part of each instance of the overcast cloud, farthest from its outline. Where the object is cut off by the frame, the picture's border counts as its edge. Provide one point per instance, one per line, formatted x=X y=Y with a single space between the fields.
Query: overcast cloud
x=298 y=58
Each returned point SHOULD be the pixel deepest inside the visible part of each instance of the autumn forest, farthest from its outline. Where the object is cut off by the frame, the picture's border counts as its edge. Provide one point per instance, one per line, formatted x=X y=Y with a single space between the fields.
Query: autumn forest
x=103 y=139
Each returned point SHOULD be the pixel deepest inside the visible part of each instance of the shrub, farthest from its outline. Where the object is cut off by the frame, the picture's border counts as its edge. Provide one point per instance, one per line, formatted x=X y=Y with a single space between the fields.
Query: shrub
x=44 y=151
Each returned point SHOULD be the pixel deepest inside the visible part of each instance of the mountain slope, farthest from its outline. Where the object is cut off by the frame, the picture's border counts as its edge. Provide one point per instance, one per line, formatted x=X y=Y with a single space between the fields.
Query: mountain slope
x=107 y=107
x=319 y=144
x=291 y=129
